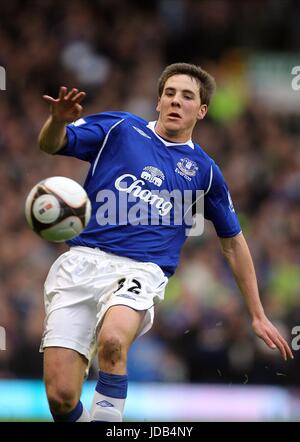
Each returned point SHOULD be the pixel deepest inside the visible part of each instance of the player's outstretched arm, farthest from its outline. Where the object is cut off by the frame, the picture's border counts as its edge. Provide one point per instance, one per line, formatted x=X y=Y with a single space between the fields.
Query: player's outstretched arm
x=63 y=110
x=238 y=256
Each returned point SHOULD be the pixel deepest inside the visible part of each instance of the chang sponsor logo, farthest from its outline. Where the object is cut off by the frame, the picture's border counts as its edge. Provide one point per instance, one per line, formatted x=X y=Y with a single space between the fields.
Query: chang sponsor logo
x=135 y=204
x=131 y=184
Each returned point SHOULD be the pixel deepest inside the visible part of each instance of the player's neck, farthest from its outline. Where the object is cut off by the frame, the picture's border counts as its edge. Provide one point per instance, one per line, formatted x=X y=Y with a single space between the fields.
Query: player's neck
x=173 y=136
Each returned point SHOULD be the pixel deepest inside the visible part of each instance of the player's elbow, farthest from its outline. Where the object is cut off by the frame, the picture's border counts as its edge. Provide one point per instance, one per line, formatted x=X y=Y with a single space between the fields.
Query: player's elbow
x=50 y=148
x=229 y=246
x=45 y=148
x=42 y=145
x=226 y=246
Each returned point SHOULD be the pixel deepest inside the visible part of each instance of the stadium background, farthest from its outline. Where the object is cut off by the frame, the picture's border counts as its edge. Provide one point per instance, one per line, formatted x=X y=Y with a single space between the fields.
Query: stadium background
x=201 y=349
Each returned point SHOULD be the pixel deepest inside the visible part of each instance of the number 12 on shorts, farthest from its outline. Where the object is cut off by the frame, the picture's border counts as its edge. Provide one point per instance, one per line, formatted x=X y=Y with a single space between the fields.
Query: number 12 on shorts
x=131 y=285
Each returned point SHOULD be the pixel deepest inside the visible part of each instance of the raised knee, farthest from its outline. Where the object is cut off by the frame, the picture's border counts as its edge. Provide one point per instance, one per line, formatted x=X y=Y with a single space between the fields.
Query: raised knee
x=61 y=400
x=111 y=349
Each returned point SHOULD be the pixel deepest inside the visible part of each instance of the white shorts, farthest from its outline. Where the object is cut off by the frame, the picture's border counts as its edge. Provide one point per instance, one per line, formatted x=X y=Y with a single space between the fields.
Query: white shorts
x=84 y=283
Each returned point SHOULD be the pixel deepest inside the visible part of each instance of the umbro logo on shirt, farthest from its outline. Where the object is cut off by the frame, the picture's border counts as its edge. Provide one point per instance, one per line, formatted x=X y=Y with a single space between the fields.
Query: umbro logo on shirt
x=141 y=132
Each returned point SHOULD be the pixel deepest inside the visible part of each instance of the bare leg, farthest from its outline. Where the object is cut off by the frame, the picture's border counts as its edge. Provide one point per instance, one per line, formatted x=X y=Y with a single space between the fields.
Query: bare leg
x=63 y=375
x=119 y=328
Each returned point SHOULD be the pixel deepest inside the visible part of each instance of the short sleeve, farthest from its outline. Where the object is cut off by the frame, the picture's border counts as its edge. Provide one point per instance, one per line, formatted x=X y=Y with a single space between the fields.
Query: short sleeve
x=218 y=206
x=86 y=135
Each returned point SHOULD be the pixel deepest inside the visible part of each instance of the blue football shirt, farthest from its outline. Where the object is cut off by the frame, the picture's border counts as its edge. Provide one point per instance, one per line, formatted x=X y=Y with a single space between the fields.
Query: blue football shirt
x=137 y=184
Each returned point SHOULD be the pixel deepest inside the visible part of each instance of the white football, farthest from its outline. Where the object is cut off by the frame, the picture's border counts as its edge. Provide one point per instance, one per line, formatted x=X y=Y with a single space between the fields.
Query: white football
x=58 y=209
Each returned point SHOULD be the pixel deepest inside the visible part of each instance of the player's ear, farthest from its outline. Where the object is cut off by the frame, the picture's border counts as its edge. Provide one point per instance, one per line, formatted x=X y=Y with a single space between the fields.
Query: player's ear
x=202 y=111
x=158 y=105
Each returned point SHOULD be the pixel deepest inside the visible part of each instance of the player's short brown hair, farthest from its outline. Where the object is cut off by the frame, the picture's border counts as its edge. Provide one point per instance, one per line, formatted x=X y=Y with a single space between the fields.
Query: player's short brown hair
x=206 y=81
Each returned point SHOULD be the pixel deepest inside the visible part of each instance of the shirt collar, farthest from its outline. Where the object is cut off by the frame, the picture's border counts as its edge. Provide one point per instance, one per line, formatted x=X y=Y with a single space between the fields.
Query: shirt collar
x=152 y=125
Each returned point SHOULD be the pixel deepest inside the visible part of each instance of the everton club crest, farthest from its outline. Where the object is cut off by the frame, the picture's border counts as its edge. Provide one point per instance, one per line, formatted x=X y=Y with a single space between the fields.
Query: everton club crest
x=186 y=168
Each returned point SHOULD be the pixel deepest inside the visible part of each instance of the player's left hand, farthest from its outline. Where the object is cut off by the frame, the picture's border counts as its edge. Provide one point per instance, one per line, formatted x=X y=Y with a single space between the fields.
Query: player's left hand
x=265 y=330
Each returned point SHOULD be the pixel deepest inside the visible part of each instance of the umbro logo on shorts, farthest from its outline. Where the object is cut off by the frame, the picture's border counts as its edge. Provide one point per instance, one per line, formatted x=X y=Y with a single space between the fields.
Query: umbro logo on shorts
x=124 y=295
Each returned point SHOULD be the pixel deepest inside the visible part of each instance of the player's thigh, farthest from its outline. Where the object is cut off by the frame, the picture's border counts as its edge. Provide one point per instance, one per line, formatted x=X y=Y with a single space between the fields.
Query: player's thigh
x=121 y=322
x=64 y=371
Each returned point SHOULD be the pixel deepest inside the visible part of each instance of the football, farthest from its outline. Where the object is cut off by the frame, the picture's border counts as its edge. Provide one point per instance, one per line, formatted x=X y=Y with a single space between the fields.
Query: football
x=57 y=209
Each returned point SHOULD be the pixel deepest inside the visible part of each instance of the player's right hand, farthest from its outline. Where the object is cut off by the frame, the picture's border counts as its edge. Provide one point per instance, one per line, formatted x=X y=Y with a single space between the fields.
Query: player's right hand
x=66 y=108
x=265 y=330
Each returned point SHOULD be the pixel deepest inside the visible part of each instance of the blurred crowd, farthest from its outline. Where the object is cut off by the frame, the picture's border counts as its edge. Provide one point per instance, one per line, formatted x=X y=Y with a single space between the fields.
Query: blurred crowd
x=115 y=51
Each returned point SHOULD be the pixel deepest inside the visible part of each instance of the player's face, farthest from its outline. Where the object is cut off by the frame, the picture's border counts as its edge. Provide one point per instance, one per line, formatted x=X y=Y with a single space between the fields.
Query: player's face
x=179 y=108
